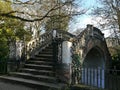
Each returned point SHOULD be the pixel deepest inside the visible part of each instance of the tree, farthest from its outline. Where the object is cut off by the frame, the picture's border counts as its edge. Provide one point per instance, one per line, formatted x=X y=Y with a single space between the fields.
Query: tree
x=41 y=12
x=3 y=46
x=30 y=7
x=58 y=23
x=109 y=11
x=22 y=7
x=59 y=19
x=115 y=53
x=11 y=30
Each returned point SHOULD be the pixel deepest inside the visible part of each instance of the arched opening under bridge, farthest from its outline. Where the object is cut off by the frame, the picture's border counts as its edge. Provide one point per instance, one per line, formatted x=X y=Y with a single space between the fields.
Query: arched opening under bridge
x=94 y=59
x=93 y=68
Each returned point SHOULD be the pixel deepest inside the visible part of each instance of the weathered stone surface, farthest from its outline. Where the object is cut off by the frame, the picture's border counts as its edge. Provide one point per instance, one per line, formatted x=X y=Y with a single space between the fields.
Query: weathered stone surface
x=91 y=47
x=92 y=38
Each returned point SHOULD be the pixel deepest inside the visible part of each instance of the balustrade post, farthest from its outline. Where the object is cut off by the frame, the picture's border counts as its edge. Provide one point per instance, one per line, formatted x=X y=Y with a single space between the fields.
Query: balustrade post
x=24 y=54
x=62 y=55
x=66 y=62
x=56 y=58
x=12 y=63
x=55 y=51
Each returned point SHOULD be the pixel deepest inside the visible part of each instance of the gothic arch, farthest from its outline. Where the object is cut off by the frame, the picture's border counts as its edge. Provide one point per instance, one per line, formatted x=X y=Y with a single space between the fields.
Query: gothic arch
x=94 y=58
x=92 y=39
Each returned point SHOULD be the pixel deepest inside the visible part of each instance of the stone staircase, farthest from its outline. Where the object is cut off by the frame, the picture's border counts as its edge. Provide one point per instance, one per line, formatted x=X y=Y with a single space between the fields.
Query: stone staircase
x=38 y=72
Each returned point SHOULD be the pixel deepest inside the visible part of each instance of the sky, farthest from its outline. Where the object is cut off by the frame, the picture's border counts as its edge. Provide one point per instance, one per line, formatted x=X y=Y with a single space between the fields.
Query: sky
x=82 y=21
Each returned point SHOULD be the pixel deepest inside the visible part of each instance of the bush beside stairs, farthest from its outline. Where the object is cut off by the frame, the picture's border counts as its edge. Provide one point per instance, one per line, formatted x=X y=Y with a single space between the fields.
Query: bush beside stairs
x=38 y=72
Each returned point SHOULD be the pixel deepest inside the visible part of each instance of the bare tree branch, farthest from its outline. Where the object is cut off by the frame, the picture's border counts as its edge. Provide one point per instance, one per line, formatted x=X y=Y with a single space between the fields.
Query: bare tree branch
x=15 y=14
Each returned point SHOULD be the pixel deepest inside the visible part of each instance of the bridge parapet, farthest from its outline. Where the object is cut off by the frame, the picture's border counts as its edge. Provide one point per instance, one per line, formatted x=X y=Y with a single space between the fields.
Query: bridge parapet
x=38 y=44
x=81 y=41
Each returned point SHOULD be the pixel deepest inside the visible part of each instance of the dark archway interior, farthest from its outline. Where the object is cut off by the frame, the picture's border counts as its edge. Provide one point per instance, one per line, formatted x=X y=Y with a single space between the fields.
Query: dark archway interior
x=94 y=59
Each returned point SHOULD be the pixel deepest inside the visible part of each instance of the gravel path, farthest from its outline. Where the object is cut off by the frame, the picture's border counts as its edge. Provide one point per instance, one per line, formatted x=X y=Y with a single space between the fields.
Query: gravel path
x=9 y=86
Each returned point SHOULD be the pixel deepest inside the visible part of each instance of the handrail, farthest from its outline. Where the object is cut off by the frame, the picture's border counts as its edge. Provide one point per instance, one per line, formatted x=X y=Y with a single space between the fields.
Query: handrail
x=39 y=43
x=66 y=33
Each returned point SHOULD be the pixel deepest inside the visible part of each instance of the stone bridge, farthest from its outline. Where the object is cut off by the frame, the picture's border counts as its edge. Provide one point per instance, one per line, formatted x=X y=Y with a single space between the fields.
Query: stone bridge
x=87 y=54
x=91 y=46
x=78 y=59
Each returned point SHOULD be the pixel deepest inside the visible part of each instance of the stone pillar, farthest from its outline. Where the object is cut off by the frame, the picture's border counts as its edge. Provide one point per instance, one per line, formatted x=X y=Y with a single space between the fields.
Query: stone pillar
x=11 y=63
x=66 y=61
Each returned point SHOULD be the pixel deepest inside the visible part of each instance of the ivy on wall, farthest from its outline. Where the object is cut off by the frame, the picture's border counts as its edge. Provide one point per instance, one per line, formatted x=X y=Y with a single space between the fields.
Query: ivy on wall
x=115 y=53
x=76 y=68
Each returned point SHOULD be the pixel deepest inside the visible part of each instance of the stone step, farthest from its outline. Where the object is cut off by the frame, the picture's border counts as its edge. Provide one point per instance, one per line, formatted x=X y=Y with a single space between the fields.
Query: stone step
x=48 y=48
x=39 y=67
x=31 y=76
x=41 y=59
x=44 y=55
x=46 y=52
x=38 y=72
x=32 y=83
x=40 y=62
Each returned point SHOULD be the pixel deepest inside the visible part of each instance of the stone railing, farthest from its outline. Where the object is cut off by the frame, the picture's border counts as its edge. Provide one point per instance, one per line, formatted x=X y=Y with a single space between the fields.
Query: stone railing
x=21 y=51
x=82 y=39
x=39 y=43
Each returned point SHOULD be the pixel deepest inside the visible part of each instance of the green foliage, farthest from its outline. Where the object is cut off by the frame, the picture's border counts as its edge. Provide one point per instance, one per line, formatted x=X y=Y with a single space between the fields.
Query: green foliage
x=116 y=61
x=13 y=29
x=3 y=66
x=59 y=19
x=58 y=22
x=76 y=60
x=3 y=52
x=21 y=33
x=115 y=53
x=10 y=30
x=116 y=57
x=76 y=68
x=5 y=7
x=3 y=47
